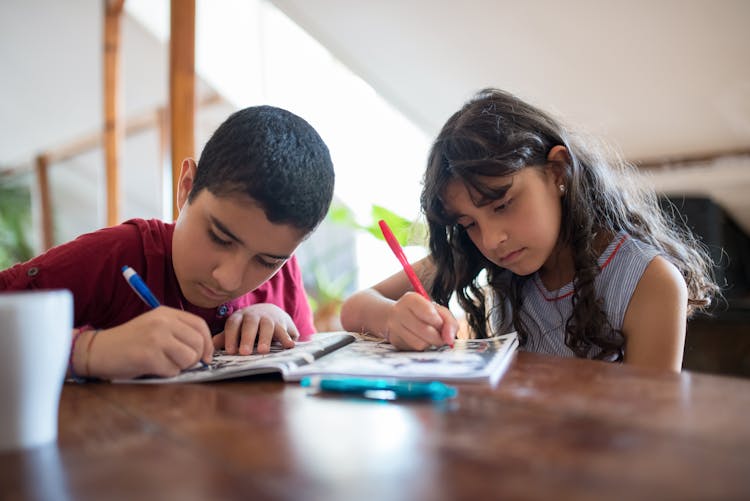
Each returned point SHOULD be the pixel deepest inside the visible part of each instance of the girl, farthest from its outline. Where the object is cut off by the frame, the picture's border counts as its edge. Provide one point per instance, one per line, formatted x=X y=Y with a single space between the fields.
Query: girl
x=535 y=231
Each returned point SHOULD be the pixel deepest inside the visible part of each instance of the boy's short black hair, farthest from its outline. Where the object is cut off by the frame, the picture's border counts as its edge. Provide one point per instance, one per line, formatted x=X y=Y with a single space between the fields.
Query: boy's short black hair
x=274 y=157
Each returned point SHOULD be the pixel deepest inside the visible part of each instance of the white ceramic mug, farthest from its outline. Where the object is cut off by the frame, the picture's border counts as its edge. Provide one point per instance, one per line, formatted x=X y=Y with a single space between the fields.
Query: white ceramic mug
x=35 y=336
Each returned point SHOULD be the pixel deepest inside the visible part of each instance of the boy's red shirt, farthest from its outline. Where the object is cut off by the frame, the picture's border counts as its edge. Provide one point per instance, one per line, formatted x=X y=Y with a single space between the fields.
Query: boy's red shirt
x=90 y=266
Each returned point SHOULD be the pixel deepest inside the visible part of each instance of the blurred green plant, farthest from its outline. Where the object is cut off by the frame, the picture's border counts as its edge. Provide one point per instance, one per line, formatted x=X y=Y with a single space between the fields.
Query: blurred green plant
x=407 y=232
x=15 y=220
x=328 y=292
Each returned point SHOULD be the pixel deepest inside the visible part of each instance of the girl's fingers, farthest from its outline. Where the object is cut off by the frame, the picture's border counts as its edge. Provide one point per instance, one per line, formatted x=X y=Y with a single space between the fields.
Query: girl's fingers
x=406 y=340
x=423 y=310
x=450 y=326
x=411 y=334
x=427 y=334
x=419 y=324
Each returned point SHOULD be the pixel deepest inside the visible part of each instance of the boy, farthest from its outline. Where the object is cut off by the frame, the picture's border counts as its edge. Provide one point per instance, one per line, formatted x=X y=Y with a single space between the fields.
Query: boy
x=225 y=268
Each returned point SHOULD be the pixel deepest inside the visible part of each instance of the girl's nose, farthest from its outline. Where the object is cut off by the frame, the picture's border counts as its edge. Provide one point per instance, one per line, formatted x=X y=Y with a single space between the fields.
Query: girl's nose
x=493 y=236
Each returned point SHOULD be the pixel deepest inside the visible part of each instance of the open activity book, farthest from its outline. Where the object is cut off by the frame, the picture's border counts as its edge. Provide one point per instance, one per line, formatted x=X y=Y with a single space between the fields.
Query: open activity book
x=349 y=354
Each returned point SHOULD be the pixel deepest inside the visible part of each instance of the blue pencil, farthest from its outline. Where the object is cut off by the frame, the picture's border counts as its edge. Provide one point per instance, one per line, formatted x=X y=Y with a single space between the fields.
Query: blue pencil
x=139 y=286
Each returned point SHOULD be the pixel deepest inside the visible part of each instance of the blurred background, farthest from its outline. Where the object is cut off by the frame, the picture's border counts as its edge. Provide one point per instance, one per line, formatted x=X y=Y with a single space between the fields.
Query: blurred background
x=665 y=82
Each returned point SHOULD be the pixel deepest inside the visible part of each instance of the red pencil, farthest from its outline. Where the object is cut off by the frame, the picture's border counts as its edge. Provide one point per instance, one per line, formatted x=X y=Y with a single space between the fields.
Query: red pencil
x=396 y=248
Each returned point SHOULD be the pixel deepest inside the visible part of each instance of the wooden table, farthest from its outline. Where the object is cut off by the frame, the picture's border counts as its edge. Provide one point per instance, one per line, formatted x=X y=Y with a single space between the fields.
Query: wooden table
x=551 y=429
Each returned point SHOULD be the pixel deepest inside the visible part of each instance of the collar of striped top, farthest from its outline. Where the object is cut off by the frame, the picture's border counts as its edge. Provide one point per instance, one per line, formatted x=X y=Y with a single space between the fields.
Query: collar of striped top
x=567 y=290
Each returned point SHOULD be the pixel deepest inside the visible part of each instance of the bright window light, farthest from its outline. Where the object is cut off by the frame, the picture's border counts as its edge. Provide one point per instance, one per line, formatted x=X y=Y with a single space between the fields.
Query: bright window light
x=251 y=53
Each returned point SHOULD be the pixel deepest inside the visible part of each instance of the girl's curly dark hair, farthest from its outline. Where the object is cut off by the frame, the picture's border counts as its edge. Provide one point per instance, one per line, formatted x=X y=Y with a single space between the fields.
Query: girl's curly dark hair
x=498 y=134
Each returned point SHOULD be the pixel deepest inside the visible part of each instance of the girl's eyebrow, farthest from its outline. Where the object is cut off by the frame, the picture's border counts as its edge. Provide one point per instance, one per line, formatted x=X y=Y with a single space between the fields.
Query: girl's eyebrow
x=484 y=197
x=489 y=194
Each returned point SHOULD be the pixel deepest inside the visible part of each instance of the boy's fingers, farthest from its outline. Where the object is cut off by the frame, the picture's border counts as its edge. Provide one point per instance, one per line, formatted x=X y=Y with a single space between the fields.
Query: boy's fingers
x=282 y=335
x=167 y=368
x=218 y=341
x=266 y=329
x=232 y=333
x=182 y=355
x=249 y=330
x=200 y=346
x=293 y=333
x=196 y=335
x=208 y=350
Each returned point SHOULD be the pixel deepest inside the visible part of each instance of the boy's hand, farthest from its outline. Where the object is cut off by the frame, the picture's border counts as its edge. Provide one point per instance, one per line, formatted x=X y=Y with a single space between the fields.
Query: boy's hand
x=414 y=323
x=264 y=322
x=162 y=342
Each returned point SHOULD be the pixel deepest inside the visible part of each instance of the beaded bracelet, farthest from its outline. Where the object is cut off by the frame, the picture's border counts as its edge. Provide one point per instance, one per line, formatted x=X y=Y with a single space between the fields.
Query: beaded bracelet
x=75 y=377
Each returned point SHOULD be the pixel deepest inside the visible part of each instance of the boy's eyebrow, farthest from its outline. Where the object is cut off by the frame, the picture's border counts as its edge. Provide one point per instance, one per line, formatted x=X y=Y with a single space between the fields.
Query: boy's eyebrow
x=225 y=230
x=274 y=256
x=237 y=239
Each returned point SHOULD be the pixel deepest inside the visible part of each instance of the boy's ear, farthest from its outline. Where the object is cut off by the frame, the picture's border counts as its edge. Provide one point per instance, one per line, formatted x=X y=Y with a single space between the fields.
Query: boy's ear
x=559 y=160
x=185 y=184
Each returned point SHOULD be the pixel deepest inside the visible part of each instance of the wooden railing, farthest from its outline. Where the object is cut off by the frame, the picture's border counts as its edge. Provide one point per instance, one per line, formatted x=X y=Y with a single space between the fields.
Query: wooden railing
x=179 y=131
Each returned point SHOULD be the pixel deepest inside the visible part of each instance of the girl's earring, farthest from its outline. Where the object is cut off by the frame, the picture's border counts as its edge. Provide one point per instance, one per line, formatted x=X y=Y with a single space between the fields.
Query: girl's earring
x=562 y=189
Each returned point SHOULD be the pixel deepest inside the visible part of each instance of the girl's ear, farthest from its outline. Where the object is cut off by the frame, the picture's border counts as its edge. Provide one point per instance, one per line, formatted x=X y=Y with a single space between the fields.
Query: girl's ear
x=559 y=161
x=185 y=184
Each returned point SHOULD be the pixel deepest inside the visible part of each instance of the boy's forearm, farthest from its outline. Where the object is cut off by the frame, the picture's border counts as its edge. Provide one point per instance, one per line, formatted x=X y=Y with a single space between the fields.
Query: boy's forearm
x=366 y=311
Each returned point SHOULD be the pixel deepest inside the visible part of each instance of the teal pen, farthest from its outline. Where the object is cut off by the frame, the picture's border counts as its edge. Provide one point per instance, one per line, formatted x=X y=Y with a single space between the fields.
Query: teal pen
x=383 y=389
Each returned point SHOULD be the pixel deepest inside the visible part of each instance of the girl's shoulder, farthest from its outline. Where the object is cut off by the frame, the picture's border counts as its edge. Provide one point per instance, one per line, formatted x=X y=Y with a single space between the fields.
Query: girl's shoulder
x=624 y=251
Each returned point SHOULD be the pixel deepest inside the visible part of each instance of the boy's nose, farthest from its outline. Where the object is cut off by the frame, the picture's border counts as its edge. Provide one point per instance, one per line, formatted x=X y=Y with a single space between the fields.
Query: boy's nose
x=228 y=275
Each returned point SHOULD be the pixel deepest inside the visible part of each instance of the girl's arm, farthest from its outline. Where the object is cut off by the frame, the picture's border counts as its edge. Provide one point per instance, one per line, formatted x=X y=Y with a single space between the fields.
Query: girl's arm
x=655 y=321
x=392 y=310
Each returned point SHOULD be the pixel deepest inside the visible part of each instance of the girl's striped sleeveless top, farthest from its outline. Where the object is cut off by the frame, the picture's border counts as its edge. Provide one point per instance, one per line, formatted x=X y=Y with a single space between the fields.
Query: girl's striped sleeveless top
x=545 y=312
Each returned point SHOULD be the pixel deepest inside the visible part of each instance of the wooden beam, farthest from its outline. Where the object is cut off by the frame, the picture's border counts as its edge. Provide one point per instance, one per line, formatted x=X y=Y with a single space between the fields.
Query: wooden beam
x=162 y=129
x=679 y=161
x=42 y=178
x=157 y=119
x=113 y=129
x=90 y=142
x=181 y=87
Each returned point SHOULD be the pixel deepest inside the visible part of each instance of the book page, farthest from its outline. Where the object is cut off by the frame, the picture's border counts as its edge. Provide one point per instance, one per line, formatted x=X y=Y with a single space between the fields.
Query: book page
x=469 y=360
x=279 y=360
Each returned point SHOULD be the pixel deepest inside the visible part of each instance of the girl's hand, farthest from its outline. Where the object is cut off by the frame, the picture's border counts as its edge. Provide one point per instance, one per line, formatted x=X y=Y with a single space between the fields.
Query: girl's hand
x=162 y=342
x=415 y=323
x=264 y=322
